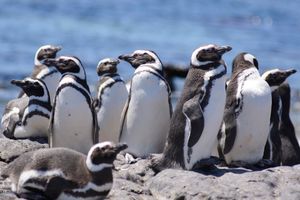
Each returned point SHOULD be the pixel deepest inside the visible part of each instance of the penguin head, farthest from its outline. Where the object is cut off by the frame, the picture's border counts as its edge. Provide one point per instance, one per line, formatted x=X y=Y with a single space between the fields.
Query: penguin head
x=67 y=65
x=107 y=66
x=276 y=77
x=46 y=51
x=102 y=155
x=33 y=87
x=208 y=54
x=243 y=61
x=142 y=57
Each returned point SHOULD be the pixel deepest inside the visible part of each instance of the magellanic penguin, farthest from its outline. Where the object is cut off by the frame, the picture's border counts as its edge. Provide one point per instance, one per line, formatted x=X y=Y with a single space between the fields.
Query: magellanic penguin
x=73 y=122
x=146 y=117
x=62 y=173
x=111 y=98
x=48 y=74
x=289 y=143
x=247 y=114
x=275 y=78
x=33 y=121
x=199 y=111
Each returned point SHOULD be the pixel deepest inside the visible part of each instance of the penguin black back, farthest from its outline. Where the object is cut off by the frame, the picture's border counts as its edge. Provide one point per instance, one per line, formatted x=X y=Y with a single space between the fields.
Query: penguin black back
x=290 y=145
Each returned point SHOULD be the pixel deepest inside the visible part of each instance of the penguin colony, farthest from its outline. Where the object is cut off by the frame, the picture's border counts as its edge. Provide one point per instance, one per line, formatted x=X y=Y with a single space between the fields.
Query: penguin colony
x=245 y=117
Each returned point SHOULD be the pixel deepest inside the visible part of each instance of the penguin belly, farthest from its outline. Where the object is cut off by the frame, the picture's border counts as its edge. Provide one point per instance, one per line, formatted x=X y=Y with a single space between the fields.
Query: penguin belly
x=35 y=125
x=213 y=115
x=113 y=100
x=147 y=119
x=73 y=121
x=51 y=80
x=252 y=123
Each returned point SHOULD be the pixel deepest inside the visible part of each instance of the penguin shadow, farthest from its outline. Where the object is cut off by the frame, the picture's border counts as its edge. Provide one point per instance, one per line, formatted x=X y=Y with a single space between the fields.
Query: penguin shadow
x=220 y=168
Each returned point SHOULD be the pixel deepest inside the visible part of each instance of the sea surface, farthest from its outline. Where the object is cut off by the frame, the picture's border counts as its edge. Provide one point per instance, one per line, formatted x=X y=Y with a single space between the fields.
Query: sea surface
x=93 y=30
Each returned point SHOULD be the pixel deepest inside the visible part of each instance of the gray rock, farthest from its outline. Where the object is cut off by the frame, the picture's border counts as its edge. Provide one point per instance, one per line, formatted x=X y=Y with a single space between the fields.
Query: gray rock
x=275 y=183
x=138 y=181
x=11 y=149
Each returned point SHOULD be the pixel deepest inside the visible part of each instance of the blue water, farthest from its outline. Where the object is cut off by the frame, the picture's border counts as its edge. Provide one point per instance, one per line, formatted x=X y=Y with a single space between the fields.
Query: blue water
x=93 y=30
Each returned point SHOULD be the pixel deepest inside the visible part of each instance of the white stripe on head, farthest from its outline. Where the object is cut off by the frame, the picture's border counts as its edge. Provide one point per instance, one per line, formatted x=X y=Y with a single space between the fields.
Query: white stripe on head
x=36 y=61
x=273 y=71
x=195 y=61
x=157 y=64
x=81 y=74
x=250 y=58
x=90 y=165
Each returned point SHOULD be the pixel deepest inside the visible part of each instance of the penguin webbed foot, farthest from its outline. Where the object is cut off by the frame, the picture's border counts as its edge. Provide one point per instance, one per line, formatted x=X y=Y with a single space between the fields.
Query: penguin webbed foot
x=265 y=163
x=206 y=164
x=260 y=165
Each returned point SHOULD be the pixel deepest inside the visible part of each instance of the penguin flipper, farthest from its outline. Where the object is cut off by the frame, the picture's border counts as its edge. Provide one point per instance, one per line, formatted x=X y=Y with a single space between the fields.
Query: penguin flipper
x=194 y=113
x=95 y=107
x=230 y=130
x=52 y=191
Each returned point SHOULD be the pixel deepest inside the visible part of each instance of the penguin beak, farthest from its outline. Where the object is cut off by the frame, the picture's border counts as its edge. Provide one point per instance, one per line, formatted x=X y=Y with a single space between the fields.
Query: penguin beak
x=126 y=57
x=19 y=83
x=115 y=62
x=120 y=147
x=57 y=48
x=50 y=62
x=223 y=49
x=290 y=72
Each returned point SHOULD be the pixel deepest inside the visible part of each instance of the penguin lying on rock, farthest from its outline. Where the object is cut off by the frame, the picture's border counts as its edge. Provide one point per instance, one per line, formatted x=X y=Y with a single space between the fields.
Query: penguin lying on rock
x=26 y=119
x=61 y=173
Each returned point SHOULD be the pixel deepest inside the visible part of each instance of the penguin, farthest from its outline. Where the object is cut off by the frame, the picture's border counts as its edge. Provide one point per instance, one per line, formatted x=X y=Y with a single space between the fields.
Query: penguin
x=275 y=78
x=33 y=121
x=62 y=173
x=247 y=114
x=73 y=122
x=290 y=146
x=146 y=116
x=48 y=74
x=111 y=98
x=198 y=113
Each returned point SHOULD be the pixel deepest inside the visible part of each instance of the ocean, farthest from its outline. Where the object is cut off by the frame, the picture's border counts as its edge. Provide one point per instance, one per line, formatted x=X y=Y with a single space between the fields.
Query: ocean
x=93 y=30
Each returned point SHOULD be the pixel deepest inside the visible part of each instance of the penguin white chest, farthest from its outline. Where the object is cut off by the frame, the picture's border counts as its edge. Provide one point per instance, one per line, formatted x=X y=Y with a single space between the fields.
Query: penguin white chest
x=35 y=123
x=112 y=100
x=147 y=118
x=252 y=122
x=72 y=121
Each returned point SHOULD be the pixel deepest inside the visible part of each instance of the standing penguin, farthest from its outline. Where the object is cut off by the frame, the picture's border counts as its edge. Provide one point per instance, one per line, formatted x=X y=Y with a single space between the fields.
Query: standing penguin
x=275 y=78
x=33 y=120
x=146 y=116
x=247 y=113
x=111 y=98
x=199 y=111
x=73 y=122
x=290 y=146
x=62 y=173
x=48 y=74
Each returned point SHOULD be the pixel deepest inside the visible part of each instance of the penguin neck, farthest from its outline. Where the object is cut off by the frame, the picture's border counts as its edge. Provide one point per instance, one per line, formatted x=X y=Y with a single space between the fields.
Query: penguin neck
x=79 y=80
x=43 y=101
x=102 y=177
x=209 y=65
x=109 y=75
x=156 y=68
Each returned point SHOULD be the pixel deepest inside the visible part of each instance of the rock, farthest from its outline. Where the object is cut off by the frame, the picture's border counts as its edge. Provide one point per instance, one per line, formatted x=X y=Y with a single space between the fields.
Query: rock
x=138 y=181
x=11 y=149
x=276 y=183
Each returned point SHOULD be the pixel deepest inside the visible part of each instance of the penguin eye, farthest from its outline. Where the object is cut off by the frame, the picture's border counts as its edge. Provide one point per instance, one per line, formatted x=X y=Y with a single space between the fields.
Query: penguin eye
x=36 y=84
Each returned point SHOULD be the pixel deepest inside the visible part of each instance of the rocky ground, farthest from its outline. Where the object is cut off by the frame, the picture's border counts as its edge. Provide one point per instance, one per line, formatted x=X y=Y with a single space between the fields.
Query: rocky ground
x=138 y=180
